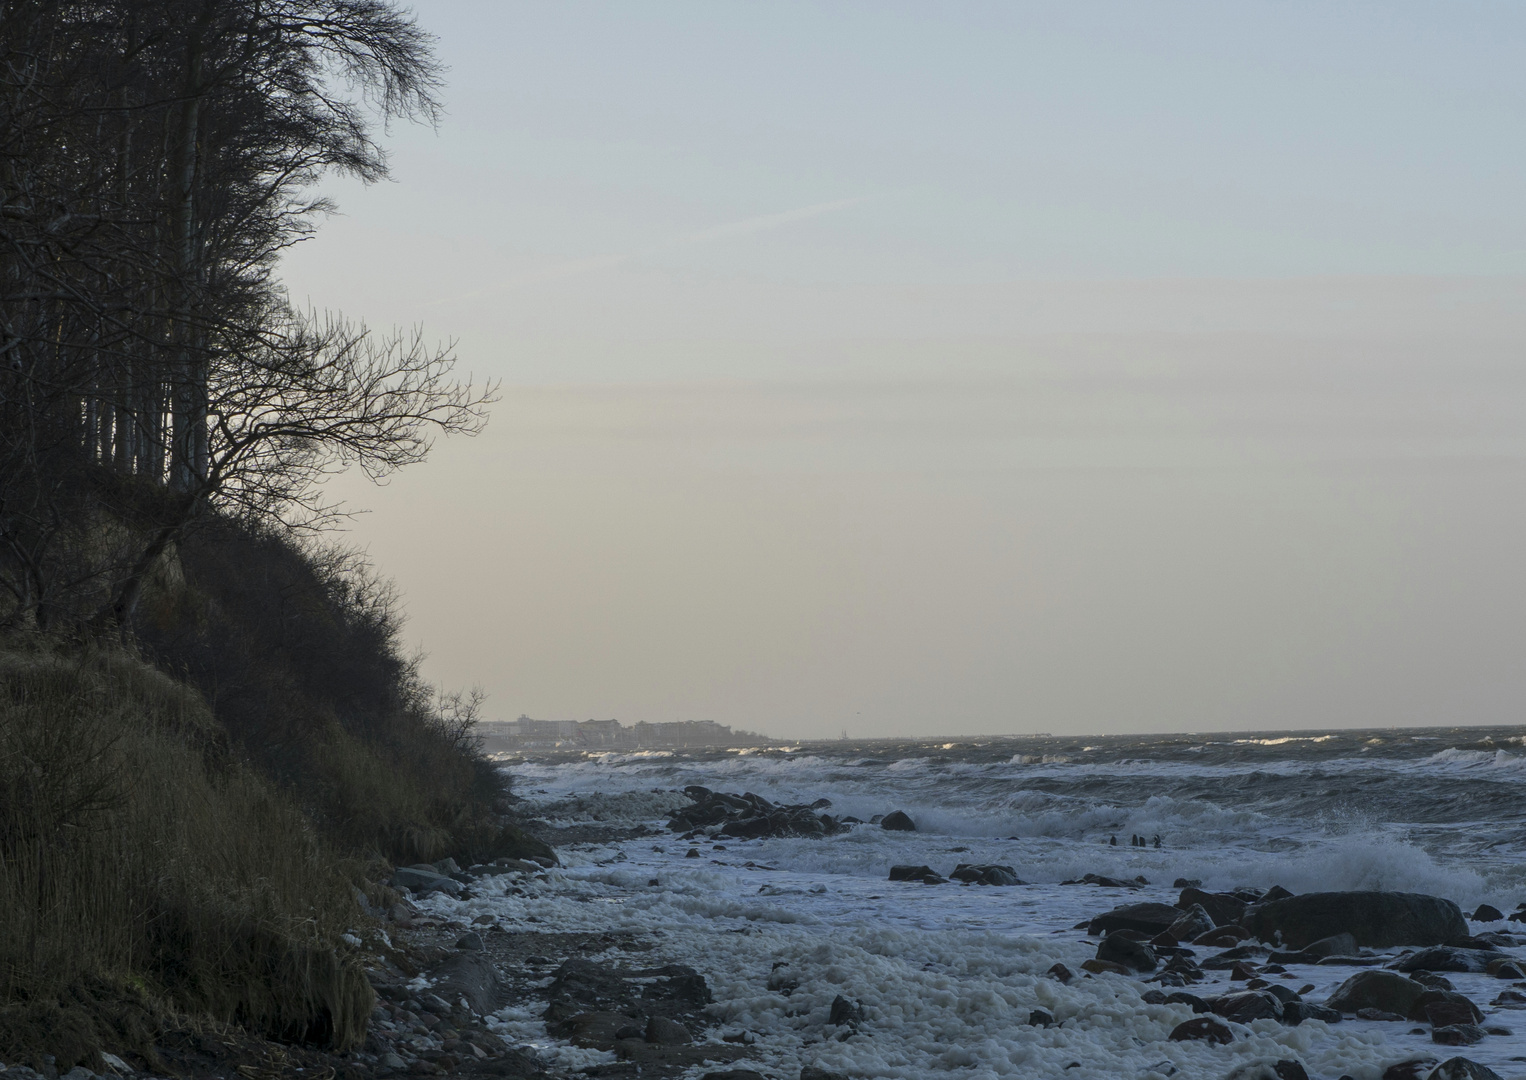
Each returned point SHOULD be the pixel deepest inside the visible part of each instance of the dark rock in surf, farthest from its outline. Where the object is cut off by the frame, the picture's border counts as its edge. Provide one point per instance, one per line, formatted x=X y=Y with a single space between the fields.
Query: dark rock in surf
x=1445 y=958
x=1193 y=923
x=1383 y=990
x=1375 y=919
x=665 y=1032
x=844 y=1011
x=912 y=873
x=898 y=821
x=1487 y=913
x=1041 y=1018
x=1192 y=1001
x=1250 y=1005
x=985 y=874
x=1222 y=908
x=1460 y=1068
x=750 y=816
x=1458 y=1035
x=1148 y=919
x=1204 y=1028
x=1296 y=1012
x=1136 y=955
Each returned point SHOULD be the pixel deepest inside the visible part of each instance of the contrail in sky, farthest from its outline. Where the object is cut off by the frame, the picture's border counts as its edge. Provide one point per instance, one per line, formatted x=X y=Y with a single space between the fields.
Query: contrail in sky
x=745 y=227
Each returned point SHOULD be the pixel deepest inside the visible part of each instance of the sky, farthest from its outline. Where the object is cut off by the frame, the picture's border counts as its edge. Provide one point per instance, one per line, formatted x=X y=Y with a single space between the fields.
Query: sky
x=955 y=369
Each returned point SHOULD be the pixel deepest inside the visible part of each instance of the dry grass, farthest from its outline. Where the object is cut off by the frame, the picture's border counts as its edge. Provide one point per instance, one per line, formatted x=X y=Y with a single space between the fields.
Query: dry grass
x=143 y=869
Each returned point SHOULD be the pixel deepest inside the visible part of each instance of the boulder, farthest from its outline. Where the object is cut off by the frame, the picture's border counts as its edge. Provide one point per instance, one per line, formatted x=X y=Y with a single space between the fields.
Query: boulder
x=1448 y=1013
x=659 y=1029
x=985 y=874
x=1460 y=1068
x=1250 y=1005
x=469 y=975
x=1041 y=1018
x=844 y=1011
x=1334 y=945
x=1296 y=1012
x=1222 y=908
x=1486 y=913
x=912 y=873
x=1446 y=958
x=811 y=1072
x=425 y=880
x=1459 y=1009
x=1103 y=967
x=471 y=941
x=1372 y=989
x=1204 y=1028
x=1506 y=967
x=1061 y=972
x=1376 y=919
x=1457 y=1035
x=1131 y=954
x=1149 y=919
x=1221 y=937
x=1195 y=922
x=898 y=821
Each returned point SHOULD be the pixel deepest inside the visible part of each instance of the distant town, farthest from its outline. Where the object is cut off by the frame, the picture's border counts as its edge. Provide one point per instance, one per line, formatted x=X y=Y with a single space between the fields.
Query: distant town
x=499 y=736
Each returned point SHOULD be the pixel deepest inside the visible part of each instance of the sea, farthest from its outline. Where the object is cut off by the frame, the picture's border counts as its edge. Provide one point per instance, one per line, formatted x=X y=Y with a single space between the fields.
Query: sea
x=949 y=975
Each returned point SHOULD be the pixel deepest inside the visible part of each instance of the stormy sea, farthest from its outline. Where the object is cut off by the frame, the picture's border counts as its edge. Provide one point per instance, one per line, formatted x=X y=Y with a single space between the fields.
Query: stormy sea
x=814 y=957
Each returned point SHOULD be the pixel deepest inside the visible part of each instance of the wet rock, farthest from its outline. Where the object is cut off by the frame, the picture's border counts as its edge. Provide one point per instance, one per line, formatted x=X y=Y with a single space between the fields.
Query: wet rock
x=1148 y=919
x=1413 y=1069
x=750 y=816
x=1061 y=972
x=1103 y=967
x=811 y=1072
x=471 y=941
x=1103 y=881
x=898 y=821
x=1379 y=1014
x=1296 y=1012
x=1222 y=908
x=911 y=873
x=1222 y=937
x=1448 y=1013
x=1457 y=1035
x=598 y=1029
x=1250 y=1005
x=1446 y=958
x=1135 y=955
x=1334 y=945
x=1382 y=990
x=844 y=1011
x=1194 y=922
x=1276 y=892
x=1431 y=980
x=1041 y=1018
x=985 y=874
x=423 y=880
x=1460 y=1009
x=1202 y=1028
x=1506 y=968
x=470 y=977
x=1375 y=919
x=1460 y=1068
x=692 y=853
x=1186 y=883
x=1487 y=913
x=1231 y=957
x=661 y=1030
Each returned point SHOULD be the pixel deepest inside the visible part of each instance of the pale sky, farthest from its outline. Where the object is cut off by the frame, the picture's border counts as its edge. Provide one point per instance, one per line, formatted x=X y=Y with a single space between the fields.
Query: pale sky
x=964 y=368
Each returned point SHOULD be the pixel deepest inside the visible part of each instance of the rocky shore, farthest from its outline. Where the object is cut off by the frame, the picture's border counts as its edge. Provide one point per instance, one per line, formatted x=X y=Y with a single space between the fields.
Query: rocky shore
x=1229 y=962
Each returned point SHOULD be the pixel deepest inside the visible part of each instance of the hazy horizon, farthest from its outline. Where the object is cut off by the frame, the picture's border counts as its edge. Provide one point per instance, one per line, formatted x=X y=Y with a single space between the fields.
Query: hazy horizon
x=1005 y=368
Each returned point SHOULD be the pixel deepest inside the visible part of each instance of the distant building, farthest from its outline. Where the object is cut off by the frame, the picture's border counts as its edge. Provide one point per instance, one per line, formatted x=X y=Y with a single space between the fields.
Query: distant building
x=528 y=734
